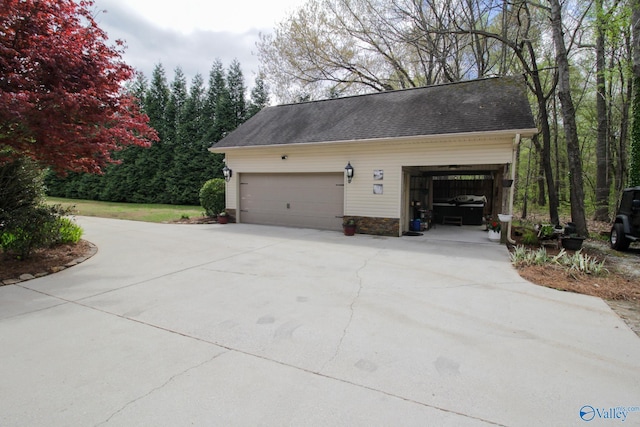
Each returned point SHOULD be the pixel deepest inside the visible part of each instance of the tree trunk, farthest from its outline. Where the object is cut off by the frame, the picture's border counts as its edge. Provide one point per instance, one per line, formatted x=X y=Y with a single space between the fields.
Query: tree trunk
x=542 y=194
x=602 y=159
x=634 y=166
x=622 y=155
x=543 y=118
x=634 y=161
x=569 y=120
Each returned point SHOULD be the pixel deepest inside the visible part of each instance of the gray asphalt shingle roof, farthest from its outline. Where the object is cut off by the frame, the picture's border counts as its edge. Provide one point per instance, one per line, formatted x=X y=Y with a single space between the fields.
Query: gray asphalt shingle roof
x=492 y=104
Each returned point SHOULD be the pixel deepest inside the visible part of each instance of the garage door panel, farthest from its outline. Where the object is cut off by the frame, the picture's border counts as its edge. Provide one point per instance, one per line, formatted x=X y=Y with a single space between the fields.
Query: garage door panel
x=298 y=200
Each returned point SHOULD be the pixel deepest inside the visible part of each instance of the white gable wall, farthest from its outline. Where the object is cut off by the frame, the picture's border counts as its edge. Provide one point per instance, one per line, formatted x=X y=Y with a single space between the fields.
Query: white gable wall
x=365 y=157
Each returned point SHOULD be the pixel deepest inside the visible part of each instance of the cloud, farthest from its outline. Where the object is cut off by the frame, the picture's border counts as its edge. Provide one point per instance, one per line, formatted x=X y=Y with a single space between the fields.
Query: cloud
x=195 y=52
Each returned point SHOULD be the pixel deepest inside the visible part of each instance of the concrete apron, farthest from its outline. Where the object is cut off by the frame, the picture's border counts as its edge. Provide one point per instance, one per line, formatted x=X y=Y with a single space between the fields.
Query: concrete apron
x=243 y=325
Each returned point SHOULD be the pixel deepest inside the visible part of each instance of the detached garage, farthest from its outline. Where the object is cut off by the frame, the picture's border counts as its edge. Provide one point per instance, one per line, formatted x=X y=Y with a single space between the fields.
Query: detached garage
x=407 y=152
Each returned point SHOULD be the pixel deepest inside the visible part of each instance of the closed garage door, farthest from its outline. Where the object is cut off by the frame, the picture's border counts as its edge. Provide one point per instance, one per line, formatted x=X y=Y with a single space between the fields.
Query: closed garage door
x=311 y=200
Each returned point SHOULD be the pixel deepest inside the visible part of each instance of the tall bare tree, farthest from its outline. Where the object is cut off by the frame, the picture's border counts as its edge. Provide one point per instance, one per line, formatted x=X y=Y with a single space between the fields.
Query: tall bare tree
x=603 y=183
x=569 y=120
x=634 y=168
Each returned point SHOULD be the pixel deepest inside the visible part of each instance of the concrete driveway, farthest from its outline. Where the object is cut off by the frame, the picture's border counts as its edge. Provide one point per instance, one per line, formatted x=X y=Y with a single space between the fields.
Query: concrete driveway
x=247 y=325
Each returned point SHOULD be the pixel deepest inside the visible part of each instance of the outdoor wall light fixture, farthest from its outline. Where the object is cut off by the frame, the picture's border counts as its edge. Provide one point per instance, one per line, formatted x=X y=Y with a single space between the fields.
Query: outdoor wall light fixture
x=349 y=170
x=284 y=157
x=227 y=173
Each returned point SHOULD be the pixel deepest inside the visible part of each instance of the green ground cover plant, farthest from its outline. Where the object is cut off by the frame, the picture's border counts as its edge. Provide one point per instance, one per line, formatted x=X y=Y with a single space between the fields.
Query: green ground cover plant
x=576 y=262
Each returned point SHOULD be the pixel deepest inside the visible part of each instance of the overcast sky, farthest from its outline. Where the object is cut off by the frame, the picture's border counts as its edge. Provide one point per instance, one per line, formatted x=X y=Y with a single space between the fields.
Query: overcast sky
x=191 y=33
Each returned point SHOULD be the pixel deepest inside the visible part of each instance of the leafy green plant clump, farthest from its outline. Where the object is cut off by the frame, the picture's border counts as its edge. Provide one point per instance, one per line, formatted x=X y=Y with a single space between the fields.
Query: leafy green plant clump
x=43 y=226
x=529 y=237
x=26 y=222
x=212 y=196
x=578 y=262
x=68 y=231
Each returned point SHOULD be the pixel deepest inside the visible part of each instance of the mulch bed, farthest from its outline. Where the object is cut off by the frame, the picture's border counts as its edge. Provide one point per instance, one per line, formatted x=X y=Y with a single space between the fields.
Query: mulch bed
x=43 y=261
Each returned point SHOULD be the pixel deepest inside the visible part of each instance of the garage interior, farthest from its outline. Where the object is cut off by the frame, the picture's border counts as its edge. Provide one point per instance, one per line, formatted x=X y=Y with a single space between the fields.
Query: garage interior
x=453 y=195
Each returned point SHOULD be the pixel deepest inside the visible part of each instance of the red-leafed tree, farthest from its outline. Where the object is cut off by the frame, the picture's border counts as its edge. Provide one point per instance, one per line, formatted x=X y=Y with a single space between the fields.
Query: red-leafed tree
x=61 y=96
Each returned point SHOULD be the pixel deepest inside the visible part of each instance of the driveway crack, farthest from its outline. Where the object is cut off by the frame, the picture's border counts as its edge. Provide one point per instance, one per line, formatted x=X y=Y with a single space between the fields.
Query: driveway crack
x=351 y=313
x=153 y=390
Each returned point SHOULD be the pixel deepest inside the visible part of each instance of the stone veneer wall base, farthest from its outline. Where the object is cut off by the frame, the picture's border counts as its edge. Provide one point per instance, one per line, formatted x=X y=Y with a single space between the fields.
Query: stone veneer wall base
x=376 y=226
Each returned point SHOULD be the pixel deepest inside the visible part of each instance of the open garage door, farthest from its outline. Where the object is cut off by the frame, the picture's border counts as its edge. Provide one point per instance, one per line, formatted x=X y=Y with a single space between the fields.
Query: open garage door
x=310 y=200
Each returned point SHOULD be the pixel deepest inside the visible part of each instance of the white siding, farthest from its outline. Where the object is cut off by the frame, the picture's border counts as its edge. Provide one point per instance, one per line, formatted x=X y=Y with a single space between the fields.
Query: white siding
x=391 y=157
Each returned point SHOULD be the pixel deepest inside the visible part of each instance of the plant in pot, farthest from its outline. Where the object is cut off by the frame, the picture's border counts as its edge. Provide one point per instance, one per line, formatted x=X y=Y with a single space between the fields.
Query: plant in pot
x=223 y=218
x=546 y=232
x=572 y=242
x=494 y=227
x=349 y=227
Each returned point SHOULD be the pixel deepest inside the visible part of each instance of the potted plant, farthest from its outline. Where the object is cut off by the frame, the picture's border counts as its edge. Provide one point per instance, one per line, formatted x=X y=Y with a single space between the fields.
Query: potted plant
x=572 y=242
x=546 y=231
x=349 y=227
x=223 y=218
x=494 y=227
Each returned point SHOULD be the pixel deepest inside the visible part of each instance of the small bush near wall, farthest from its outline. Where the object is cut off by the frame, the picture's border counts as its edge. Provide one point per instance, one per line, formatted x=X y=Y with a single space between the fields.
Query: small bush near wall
x=212 y=196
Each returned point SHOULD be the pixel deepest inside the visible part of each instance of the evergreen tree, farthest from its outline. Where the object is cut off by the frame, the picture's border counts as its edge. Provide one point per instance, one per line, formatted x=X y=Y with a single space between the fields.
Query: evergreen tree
x=156 y=100
x=139 y=88
x=212 y=132
x=177 y=99
x=216 y=86
x=192 y=161
x=188 y=123
x=259 y=96
x=190 y=126
x=237 y=89
x=135 y=179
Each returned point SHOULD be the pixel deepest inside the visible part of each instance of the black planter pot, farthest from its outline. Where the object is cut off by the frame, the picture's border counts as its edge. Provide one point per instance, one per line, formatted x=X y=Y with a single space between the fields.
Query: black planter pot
x=570 y=229
x=572 y=243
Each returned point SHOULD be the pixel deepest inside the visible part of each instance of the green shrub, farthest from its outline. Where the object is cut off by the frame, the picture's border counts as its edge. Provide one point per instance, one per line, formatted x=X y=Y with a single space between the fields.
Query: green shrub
x=212 y=196
x=529 y=237
x=68 y=231
x=21 y=188
x=38 y=227
x=31 y=230
x=26 y=223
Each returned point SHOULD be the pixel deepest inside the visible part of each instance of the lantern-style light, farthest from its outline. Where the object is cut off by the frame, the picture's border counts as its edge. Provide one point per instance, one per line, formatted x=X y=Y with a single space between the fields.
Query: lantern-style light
x=227 y=173
x=349 y=171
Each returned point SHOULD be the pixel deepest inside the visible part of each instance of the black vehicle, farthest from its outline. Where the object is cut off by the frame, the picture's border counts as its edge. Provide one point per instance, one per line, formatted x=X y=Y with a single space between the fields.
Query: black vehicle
x=626 y=227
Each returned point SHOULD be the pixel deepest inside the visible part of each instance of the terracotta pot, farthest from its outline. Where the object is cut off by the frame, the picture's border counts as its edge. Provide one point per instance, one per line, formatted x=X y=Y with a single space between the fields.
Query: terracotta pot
x=223 y=219
x=349 y=230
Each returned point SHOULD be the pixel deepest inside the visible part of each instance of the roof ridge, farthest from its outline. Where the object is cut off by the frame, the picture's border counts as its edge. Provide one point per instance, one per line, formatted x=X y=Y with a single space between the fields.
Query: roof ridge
x=459 y=82
x=486 y=105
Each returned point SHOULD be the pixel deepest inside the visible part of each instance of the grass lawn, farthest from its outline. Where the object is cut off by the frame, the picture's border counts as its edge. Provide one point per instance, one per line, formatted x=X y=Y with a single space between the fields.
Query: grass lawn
x=131 y=211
